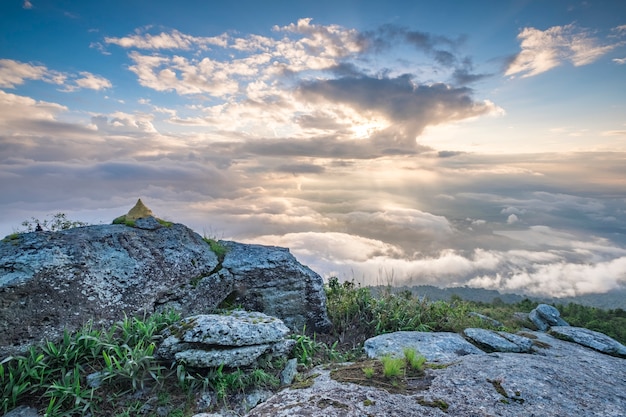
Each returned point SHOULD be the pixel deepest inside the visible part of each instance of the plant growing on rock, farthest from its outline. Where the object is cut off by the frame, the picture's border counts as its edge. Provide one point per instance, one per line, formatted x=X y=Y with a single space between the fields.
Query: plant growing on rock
x=392 y=367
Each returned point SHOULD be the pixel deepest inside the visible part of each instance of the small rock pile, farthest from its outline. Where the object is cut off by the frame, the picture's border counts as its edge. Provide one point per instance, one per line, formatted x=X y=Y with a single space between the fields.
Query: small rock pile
x=236 y=339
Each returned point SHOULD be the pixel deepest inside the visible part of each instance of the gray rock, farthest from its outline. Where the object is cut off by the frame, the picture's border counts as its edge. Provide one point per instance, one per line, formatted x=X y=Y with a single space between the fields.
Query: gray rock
x=492 y=341
x=56 y=281
x=213 y=358
x=147 y=223
x=566 y=380
x=269 y=279
x=235 y=339
x=591 y=339
x=545 y=316
x=233 y=328
x=289 y=372
x=435 y=347
x=22 y=411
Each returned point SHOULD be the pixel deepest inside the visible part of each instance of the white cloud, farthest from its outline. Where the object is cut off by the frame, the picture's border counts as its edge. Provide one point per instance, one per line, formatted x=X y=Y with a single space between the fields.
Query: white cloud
x=92 y=82
x=172 y=40
x=544 y=50
x=512 y=219
x=14 y=73
x=620 y=61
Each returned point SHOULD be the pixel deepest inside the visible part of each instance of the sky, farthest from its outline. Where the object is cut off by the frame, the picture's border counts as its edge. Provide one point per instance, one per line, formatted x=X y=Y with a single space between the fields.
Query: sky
x=447 y=143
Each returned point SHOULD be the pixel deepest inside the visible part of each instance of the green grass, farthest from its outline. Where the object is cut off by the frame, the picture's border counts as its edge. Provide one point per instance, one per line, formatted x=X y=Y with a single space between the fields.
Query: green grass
x=392 y=367
x=217 y=248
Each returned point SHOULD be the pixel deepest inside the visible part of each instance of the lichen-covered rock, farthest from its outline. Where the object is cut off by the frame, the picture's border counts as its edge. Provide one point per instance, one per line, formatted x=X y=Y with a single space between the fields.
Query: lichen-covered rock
x=233 y=328
x=268 y=279
x=491 y=341
x=237 y=338
x=544 y=316
x=435 y=347
x=56 y=281
x=591 y=339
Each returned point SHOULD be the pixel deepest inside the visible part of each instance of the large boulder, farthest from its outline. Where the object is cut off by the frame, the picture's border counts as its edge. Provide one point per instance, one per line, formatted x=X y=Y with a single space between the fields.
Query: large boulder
x=544 y=316
x=51 y=281
x=234 y=339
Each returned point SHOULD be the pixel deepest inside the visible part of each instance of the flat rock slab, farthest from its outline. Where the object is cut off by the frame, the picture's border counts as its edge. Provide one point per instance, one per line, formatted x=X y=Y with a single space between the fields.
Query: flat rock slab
x=565 y=380
x=493 y=341
x=591 y=339
x=435 y=347
x=232 y=358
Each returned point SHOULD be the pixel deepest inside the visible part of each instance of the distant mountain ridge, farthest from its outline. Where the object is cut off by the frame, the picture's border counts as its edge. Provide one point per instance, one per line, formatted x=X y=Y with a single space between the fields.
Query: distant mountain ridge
x=607 y=301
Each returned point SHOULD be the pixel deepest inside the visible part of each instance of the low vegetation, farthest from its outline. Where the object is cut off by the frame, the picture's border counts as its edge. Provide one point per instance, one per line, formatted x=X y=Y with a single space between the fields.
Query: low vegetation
x=113 y=371
x=53 y=223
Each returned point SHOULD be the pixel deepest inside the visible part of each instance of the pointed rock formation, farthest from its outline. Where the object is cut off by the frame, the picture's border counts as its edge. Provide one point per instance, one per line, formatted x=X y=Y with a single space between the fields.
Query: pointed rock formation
x=139 y=211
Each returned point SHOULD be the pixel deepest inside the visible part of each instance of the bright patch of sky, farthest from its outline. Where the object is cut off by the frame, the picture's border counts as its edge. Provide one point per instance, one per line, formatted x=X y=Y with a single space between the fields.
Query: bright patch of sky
x=450 y=143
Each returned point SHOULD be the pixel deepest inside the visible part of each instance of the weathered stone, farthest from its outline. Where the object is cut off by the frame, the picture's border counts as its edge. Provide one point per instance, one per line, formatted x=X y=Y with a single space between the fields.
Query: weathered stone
x=234 y=328
x=147 y=223
x=566 y=380
x=545 y=316
x=235 y=339
x=491 y=341
x=56 y=281
x=270 y=280
x=289 y=372
x=435 y=347
x=22 y=411
x=231 y=358
x=591 y=339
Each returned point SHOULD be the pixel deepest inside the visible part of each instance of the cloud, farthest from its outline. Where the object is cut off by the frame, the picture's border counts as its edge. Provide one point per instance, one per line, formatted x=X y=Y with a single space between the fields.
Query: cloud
x=27 y=5
x=619 y=61
x=92 y=82
x=544 y=50
x=14 y=73
x=408 y=107
x=172 y=40
x=512 y=219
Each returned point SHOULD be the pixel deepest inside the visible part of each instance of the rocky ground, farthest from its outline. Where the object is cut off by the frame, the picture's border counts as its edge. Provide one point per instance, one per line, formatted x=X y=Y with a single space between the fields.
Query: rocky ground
x=558 y=378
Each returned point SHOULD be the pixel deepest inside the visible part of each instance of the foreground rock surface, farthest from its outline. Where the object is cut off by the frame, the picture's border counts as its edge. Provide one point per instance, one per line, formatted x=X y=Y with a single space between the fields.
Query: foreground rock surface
x=51 y=281
x=562 y=380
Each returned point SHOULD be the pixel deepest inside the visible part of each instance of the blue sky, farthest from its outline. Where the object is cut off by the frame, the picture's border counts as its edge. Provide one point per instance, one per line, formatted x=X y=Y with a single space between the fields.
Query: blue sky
x=449 y=143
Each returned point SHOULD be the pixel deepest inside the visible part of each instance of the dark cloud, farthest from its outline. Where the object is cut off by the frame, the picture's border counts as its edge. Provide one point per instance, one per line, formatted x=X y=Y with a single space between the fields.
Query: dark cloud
x=300 y=168
x=409 y=106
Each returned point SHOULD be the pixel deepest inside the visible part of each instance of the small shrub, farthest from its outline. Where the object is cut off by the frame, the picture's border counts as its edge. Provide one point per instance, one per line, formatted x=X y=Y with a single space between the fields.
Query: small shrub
x=56 y=222
x=368 y=371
